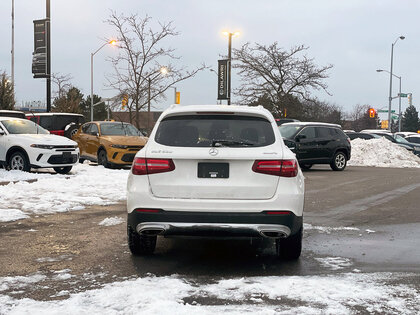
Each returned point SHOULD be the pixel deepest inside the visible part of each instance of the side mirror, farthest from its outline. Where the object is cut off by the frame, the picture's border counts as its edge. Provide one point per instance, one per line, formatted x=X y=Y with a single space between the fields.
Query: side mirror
x=290 y=144
x=2 y=132
x=97 y=134
x=299 y=137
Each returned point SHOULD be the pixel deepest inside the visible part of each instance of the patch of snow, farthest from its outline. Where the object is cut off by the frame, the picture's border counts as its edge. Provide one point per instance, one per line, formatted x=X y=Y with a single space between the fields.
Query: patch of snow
x=7 y=215
x=332 y=294
x=19 y=282
x=335 y=263
x=54 y=259
x=381 y=153
x=370 y=231
x=327 y=229
x=85 y=185
x=111 y=221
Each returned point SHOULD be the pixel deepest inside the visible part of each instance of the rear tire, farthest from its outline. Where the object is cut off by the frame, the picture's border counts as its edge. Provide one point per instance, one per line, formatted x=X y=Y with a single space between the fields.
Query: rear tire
x=63 y=170
x=19 y=162
x=305 y=166
x=140 y=244
x=290 y=248
x=339 y=161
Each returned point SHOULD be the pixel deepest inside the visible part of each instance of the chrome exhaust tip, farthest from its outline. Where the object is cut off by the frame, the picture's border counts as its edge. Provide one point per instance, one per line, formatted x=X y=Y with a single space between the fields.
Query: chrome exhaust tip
x=275 y=231
x=151 y=229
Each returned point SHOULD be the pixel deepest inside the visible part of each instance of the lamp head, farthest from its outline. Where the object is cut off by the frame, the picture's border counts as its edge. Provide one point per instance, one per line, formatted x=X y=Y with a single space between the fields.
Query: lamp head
x=113 y=42
x=379 y=70
x=402 y=37
x=164 y=70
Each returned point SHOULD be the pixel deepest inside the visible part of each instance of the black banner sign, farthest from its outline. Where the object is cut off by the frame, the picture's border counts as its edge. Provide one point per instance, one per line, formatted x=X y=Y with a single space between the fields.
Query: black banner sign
x=39 y=59
x=222 y=84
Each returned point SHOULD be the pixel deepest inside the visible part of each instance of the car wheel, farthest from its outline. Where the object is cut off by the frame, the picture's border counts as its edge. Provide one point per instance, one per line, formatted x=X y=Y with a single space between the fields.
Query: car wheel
x=339 y=161
x=305 y=166
x=290 y=248
x=140 y=244
x=71 y=131
x=102 y=158
x=19 y=162
x=62 y=170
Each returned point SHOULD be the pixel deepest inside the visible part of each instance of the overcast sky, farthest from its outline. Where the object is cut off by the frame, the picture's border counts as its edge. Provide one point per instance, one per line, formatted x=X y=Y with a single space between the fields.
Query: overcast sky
x=355 y=36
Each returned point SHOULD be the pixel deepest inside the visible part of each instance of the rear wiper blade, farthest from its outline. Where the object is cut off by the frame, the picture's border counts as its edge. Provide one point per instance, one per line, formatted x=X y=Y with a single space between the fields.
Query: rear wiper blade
x=227 y=143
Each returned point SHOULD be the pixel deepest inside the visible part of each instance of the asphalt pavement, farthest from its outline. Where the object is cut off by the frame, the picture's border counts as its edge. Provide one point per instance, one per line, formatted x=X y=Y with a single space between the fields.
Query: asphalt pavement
x=370 y=217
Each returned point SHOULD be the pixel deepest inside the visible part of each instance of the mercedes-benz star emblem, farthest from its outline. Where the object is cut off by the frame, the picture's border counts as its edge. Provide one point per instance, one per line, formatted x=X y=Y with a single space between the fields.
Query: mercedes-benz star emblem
x=213 y=152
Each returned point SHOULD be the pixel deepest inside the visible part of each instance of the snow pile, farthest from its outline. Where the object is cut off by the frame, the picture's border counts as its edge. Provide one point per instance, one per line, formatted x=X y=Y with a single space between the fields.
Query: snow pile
x=334 y=294
x=111 y=221
x=84 y=185
x=381 y=153
x=9 y=176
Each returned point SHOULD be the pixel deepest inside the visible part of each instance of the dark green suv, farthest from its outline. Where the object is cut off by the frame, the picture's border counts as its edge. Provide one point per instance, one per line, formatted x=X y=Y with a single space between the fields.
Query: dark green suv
x=317 y=143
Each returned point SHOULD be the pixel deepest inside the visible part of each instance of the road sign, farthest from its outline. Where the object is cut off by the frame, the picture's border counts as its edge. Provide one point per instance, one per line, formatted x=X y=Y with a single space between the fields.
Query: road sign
x=402 y=94
x=384 y=124
x=394 y=117
x=385 y=111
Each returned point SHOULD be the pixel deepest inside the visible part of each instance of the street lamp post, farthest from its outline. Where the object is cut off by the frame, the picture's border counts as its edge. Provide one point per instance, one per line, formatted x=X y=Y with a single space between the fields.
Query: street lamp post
x=390 y=82
x=399 y=99
x=112 y=42
x=230 y=35
x=13 y=45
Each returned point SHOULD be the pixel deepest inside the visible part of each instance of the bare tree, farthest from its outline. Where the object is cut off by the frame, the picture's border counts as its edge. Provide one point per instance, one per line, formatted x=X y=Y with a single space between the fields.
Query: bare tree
x=7 y=95
x=277 y=74
x=63 y=83
x=359 y=118
x=137 y=68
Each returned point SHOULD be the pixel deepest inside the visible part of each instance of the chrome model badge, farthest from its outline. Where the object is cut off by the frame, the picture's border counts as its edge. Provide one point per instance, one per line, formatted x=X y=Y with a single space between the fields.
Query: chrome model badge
x=213 y=152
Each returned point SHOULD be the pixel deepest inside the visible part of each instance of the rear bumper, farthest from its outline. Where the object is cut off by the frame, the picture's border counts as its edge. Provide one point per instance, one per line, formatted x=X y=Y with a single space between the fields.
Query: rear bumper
x=204 y=224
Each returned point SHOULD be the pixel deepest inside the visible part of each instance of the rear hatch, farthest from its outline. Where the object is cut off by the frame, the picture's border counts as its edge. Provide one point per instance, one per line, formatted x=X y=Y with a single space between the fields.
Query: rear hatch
x=213 y=157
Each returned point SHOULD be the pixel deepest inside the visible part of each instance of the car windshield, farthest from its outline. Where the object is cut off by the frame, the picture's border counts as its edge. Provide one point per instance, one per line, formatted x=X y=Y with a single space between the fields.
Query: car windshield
x=215 y=130
x=23 y=126
x=288 y=131
x=400 y=139
x=119 y=129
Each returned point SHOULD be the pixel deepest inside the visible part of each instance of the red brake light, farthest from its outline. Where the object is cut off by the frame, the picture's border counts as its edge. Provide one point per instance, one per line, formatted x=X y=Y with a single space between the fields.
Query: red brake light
x=148 y=210
x=283 y=168
x=277 y=212
x=152 y=166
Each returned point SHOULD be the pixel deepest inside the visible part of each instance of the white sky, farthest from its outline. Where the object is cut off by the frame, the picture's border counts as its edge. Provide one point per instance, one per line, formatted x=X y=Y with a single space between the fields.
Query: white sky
x=355 y=36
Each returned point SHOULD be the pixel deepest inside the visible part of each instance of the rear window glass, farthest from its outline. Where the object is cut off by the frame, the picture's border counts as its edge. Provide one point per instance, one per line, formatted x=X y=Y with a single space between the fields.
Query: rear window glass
x=215 y=130
x=61 y=121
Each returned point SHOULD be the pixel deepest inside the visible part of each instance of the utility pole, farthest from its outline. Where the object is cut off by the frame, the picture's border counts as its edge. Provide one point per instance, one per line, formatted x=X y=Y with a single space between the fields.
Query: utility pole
x=148 y=105
x=230 y=65
x=13 y=46
x=48 y=57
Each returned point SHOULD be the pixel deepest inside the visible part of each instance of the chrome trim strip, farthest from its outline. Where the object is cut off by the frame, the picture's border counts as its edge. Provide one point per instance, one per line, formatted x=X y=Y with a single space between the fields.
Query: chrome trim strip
x=265 y=230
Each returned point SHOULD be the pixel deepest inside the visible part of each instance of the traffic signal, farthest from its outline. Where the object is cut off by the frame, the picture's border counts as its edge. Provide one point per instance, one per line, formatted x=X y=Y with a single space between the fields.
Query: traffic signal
x=178 y=98
x=372 y=112
x=410 y=99
x=124 y=101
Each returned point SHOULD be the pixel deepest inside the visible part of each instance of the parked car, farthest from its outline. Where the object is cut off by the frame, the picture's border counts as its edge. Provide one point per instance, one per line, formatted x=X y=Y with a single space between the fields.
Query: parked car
x=402 y=142
x=361 y=135
x=25 y=145
x=414 y=139
x=12 y=113
x=317 y=143
x=215 y=171
x=62 y=124
x=109 y=143
x=405 y=134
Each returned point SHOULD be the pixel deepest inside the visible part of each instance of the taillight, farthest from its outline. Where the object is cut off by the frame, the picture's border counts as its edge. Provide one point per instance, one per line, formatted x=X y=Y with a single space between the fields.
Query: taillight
x=283 y=168
x=148 y=210
x=152 y=166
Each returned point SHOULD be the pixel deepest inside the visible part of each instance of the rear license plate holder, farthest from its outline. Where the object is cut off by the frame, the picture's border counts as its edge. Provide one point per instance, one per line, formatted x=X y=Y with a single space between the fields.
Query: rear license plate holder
x=213 y=170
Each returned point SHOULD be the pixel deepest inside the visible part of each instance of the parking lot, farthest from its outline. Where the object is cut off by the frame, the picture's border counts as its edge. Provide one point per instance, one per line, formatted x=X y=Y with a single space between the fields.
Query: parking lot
x=362 y=229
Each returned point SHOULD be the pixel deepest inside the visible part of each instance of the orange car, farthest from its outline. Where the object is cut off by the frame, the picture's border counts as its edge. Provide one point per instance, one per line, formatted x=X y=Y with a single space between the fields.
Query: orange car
x=109 y=143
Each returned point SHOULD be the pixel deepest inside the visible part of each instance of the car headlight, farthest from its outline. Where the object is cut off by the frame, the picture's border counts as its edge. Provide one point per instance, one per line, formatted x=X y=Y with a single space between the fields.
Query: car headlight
x=119 y=146
x=42 y=146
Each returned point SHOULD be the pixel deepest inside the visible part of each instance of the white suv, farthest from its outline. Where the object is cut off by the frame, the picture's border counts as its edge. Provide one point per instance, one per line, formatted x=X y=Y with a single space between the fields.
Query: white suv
x=24 y=144
x=215 y=170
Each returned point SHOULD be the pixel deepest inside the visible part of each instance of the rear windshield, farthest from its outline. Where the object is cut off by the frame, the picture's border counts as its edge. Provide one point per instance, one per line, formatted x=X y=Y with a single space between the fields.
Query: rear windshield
x=288 y=131
x=215 y=130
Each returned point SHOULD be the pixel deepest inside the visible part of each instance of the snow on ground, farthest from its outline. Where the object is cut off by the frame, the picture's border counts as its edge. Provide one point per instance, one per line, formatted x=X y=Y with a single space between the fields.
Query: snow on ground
x=381 y=153
x=111 y=221
x=329 y=294
x=85 y=185
x=328 y=229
